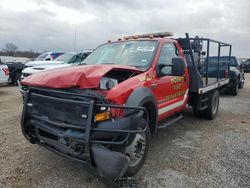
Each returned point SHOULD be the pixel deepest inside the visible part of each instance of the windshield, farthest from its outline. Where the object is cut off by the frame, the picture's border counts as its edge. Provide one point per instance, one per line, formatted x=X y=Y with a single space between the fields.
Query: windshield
x=66 y=58
x=134 y=53
x=42 y=56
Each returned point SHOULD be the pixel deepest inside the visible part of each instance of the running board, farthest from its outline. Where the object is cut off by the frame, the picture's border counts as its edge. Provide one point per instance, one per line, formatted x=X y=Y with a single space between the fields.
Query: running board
x=170 y=122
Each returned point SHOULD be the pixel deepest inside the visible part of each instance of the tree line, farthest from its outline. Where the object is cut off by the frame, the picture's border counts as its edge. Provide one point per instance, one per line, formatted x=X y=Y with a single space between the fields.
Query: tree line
x=11 y=49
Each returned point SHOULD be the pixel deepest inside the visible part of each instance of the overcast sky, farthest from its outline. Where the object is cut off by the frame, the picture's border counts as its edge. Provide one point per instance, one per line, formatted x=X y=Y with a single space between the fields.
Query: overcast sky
x=41 y=25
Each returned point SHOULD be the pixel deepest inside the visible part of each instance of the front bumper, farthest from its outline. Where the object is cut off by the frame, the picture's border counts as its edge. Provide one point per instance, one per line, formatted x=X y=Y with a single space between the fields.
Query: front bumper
x=87 y=143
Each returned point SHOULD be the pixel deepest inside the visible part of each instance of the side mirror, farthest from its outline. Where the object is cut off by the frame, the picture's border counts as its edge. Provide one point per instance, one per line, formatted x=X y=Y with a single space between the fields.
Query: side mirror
x=179 y=66
x=163 y=70
x=176 y=68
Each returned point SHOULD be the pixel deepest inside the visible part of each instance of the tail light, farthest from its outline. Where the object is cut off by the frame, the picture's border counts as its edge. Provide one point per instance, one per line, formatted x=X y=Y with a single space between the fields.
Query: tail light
x=6 y=71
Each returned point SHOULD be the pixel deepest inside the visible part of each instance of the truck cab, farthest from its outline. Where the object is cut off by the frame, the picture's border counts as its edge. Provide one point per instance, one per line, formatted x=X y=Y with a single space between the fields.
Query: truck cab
x=102 y=112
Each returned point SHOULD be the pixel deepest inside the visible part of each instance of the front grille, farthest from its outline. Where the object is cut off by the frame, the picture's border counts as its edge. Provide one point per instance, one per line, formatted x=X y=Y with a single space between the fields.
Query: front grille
x=59 y=108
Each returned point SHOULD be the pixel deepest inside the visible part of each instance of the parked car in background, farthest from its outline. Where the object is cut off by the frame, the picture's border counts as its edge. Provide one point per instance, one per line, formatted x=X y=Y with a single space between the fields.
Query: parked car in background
x=237 y=79
x=15 y=70
x=246 y=65
x=65 y=60
x=13 y=59
x=4 y=73
x=48 y=56
x=44 y=58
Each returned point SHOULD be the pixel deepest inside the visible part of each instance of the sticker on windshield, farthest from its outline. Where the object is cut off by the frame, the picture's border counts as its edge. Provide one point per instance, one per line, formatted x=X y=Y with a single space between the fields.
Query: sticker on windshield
x=146 y=48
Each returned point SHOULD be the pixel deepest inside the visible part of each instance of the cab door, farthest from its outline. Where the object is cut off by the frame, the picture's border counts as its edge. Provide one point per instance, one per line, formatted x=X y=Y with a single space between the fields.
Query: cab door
x=171 y=91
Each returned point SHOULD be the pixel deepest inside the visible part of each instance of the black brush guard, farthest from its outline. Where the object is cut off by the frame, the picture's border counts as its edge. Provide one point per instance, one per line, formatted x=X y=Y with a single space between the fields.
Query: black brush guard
x=103 y=162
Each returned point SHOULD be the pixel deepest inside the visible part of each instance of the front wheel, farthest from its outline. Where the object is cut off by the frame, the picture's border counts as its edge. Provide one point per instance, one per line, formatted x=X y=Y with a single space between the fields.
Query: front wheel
x=137 y=151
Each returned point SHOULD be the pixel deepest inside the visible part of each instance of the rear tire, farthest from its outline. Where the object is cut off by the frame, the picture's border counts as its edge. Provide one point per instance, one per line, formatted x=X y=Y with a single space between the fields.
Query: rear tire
x=235 y=89
x=10 y=81
x=17 y=78
x=213 y=105
x=241 y=85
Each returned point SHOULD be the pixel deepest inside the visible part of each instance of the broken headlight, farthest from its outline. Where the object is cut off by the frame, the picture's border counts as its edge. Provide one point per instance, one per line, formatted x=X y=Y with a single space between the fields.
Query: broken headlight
x=108 y=83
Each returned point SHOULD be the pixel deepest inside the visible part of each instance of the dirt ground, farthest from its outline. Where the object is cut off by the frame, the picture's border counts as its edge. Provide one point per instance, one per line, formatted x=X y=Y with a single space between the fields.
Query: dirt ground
x=193 y=153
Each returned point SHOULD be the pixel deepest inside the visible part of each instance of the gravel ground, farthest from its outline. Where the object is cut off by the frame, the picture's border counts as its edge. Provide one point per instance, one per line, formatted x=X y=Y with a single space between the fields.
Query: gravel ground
x=193 y=153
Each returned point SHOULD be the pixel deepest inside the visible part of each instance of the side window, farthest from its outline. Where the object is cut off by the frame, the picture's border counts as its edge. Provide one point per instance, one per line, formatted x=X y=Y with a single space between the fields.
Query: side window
x=168 y=51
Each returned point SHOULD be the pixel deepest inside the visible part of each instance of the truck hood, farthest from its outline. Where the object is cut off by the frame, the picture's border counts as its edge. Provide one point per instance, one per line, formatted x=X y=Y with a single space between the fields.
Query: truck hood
x=83 y=76
x=36 y=63
x=32 y=70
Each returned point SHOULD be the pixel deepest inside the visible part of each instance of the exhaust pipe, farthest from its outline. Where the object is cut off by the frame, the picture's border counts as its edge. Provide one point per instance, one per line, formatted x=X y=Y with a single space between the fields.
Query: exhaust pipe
x=109 y=163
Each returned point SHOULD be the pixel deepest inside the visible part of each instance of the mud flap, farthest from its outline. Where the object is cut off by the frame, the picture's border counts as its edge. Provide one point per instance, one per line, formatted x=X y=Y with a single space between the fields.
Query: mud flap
x=109 y=163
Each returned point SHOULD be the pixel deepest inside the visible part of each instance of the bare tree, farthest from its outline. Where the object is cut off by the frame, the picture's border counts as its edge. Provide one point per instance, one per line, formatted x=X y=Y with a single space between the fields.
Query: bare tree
x=10 y=48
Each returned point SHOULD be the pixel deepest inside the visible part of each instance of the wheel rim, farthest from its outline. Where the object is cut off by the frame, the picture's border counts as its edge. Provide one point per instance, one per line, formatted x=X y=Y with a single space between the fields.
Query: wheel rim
x=215 y=104
x=136 y=150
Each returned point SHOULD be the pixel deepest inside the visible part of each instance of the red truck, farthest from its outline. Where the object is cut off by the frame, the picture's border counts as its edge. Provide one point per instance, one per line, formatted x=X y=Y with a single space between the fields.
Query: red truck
x=103 y=112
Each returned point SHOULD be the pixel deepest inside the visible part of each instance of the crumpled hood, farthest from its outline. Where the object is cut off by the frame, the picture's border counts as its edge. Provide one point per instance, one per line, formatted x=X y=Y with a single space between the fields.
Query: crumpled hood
x=83 y=76
x=36 y=63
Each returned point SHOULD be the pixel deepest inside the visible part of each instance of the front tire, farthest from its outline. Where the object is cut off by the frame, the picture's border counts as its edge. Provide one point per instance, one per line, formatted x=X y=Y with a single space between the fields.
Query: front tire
x=138 y=147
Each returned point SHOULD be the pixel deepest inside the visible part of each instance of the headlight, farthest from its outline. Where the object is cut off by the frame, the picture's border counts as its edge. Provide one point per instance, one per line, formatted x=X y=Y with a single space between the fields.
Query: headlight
x=108 y=83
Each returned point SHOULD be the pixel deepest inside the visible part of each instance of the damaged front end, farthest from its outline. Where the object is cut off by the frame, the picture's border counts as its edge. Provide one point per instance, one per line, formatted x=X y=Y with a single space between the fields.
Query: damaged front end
x=66 y=123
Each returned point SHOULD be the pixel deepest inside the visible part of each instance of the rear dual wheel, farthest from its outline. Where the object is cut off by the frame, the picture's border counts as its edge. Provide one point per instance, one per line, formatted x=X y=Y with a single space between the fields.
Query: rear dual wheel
x=212 y=106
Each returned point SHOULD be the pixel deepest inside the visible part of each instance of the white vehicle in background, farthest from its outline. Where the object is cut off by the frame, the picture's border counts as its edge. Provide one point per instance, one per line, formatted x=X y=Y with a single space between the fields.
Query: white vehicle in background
x=48 y=56
x=4 y=73
x=65 y=60
x=44 y=58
